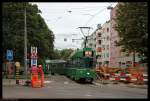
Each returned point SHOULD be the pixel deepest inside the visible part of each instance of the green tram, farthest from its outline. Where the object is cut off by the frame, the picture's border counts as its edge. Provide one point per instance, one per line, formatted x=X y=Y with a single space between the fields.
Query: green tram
x=80 y=66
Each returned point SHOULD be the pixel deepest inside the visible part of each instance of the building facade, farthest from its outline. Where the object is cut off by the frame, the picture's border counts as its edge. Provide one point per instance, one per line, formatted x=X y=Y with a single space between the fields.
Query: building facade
x=115 y=52
x=118 y=58
x=103 y=44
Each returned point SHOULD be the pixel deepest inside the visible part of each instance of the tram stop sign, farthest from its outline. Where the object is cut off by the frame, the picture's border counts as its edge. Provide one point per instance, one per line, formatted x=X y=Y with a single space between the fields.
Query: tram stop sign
x=9 y=55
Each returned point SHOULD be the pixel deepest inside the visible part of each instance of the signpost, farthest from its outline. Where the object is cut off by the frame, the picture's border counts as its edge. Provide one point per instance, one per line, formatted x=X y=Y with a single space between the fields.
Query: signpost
x=9 y=64
x=17 y=72
x=9 y=55
x=33 y=56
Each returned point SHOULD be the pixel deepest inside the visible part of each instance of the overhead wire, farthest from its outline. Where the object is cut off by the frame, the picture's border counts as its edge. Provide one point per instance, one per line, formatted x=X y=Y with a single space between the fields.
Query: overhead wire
x=94 y=16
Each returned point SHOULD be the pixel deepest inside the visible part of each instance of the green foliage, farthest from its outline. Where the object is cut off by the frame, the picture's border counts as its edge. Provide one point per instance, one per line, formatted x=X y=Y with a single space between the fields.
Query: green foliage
x=56 y=54
x=38 y=33
x=132 y=23
x=62 y=54
x=65 y=53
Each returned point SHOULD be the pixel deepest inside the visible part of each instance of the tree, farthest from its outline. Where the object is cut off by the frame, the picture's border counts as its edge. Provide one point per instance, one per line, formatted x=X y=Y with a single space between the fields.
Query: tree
x=65 y=53
x=131 y=24
x=62 y=54
x=38 y=33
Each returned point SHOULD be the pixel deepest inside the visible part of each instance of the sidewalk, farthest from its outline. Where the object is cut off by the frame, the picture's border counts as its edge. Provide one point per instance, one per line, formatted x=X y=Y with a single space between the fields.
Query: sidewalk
x=8 y=82
x=107 y=82
x=138 y=86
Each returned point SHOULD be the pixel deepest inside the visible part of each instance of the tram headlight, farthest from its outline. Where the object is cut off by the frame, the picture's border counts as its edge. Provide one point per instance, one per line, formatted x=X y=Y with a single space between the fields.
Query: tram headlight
x=88 y=73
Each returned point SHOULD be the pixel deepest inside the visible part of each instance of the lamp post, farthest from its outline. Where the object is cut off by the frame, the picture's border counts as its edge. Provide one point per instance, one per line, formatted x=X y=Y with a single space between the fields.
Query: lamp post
x=85 y=34
x=25 y=42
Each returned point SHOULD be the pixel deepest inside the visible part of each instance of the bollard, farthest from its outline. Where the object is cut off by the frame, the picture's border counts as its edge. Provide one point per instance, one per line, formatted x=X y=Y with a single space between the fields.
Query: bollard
x=17 y=72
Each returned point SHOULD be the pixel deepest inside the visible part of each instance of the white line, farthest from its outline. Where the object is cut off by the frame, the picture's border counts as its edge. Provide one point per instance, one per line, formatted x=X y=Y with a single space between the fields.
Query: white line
x=145 y=79
x=117 y=74
x=145 y=75
x=112 y=78
x=134 y=79
x=106 y=74
x=122 y=79
x=128 y=74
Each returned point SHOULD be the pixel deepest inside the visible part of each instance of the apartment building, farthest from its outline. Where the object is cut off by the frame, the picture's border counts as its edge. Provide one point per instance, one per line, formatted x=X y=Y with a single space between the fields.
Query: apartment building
x=118 y=58
x=103 y=44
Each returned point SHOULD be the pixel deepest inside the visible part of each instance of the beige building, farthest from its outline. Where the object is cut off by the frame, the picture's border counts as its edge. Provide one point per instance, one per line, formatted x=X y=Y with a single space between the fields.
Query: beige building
x=103 y=44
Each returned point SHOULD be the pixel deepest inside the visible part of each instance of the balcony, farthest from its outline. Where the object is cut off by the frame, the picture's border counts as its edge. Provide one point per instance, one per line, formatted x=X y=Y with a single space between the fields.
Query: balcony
x=98 y=49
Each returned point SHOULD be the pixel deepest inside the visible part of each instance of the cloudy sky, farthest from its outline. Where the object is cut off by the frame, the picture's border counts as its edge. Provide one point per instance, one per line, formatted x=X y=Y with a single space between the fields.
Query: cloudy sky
x=64 y=19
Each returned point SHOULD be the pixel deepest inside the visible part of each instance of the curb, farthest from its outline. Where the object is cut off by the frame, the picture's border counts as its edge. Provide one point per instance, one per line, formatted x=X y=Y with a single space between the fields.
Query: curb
x=119 y=84
x=138 y=86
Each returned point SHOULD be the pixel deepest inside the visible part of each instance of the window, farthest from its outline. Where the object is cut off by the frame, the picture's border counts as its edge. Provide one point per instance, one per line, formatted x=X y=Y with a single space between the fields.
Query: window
x=103 y=47
x=65 y=39
x=107 y=38
x=104 y=38
x=88 y=53
x=99 y=34
x=107 y=47
x=98 y=49
x=90 y=44
x=107 y=29
x=99 y=41
x=107 y=54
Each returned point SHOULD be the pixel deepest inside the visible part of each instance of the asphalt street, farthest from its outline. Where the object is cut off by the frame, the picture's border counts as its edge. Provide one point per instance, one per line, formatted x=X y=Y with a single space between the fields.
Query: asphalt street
x=62 y=87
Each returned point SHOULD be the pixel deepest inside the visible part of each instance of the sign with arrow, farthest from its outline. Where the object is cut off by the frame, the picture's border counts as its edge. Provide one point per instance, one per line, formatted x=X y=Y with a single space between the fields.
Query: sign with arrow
x=9 y=55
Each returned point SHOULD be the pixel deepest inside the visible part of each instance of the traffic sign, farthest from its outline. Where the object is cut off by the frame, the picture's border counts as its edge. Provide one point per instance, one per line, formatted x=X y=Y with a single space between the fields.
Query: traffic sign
x=33 y=52
x=33 y=56
x=9 y=55
x=33 y=62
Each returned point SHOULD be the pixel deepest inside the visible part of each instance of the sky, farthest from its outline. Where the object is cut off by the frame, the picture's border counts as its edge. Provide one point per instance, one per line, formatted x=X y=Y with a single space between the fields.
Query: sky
x=65 y=18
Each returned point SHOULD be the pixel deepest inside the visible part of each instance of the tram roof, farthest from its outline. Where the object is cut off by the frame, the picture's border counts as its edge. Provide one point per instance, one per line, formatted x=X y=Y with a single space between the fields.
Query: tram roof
x=56 y=61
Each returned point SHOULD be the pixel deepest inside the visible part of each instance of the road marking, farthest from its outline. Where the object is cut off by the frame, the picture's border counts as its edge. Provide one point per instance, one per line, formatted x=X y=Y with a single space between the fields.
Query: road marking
x=145 y=75
x=48 y=81
x=88 y=95
x=112 y=78
x=145 y=79
x=66 y=82
x=97 y=84
x=133 y=79
x=122 y=79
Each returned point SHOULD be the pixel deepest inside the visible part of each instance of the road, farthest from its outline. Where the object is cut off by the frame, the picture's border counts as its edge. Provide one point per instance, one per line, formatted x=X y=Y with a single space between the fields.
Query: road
x=62 y=87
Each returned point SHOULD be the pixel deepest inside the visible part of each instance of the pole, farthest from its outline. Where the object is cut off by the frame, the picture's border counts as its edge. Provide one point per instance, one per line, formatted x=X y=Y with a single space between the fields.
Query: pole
x=84 y=34
x=133 y=58
x=85 y=41
x=25 y=42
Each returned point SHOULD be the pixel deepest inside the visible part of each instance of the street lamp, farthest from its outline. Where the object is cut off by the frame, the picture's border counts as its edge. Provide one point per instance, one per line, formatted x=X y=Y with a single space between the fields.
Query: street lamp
x=25 y=42
x=85 y=34
x=110 y=7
